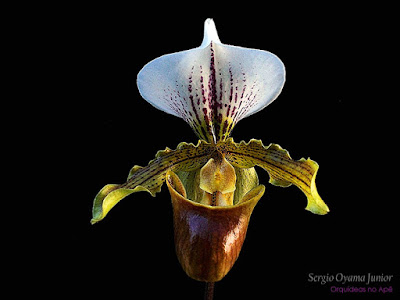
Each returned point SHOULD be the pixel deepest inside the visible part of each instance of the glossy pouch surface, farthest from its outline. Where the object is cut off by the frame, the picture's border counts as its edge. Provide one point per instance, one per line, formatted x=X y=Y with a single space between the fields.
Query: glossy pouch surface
x=208 y=239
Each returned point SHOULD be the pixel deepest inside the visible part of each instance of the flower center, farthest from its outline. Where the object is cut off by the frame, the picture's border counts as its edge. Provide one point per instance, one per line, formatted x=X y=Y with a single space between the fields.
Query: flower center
x=218 y=182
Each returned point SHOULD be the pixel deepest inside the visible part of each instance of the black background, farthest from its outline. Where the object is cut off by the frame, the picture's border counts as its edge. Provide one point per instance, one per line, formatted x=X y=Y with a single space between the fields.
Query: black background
x=332 y=109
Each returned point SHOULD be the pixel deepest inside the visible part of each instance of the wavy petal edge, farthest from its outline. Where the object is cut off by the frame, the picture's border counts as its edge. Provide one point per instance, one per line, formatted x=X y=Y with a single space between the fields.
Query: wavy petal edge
x=282 y=169
x=150 y=178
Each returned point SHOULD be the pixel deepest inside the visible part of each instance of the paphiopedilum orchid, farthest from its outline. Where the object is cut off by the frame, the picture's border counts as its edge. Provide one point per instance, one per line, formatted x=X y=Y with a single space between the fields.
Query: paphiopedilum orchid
x=213 y=185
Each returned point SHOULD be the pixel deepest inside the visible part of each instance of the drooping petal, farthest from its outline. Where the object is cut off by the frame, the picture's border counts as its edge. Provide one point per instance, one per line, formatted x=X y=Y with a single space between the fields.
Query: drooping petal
x=150 y=178
x=282 y=169
x=214 y=86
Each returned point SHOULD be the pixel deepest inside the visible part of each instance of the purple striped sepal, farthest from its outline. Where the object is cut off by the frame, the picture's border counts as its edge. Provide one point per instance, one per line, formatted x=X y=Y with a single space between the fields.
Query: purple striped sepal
x=214 y=86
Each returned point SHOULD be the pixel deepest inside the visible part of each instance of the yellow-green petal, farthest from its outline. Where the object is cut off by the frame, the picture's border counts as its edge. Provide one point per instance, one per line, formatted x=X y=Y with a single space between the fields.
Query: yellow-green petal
x=282 y=169
x=150 y=178
x=108 y=197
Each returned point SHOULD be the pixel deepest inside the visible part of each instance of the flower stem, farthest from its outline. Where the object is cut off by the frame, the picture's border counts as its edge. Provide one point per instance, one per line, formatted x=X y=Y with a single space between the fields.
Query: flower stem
x=209 y=291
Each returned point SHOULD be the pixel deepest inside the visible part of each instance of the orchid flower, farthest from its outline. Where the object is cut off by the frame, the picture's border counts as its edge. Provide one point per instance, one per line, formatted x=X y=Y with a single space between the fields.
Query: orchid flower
x=213 y=185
